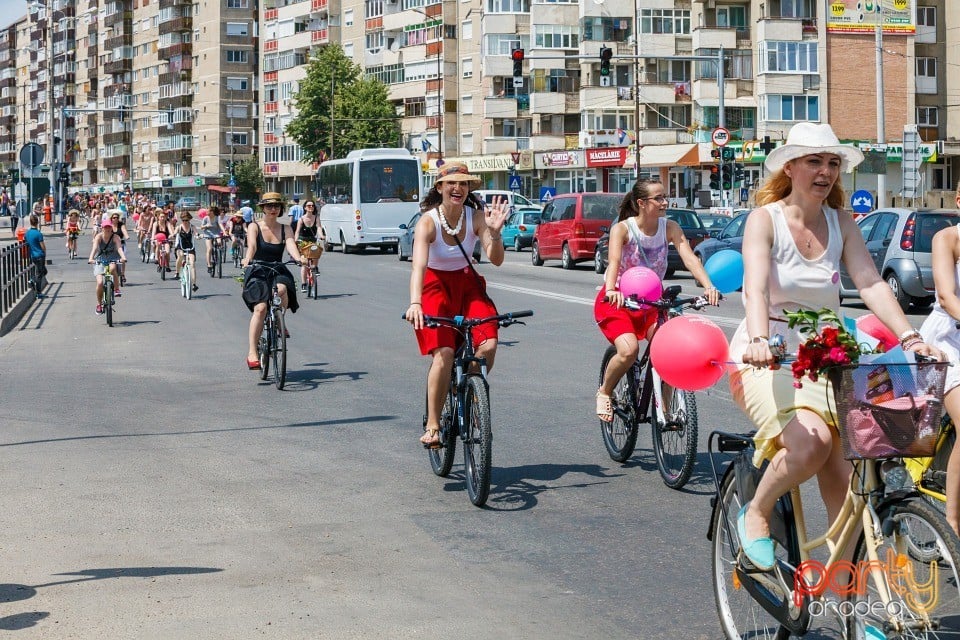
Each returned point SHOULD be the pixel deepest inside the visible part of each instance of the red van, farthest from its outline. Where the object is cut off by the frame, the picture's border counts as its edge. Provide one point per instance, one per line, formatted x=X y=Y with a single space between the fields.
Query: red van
x=570 y=226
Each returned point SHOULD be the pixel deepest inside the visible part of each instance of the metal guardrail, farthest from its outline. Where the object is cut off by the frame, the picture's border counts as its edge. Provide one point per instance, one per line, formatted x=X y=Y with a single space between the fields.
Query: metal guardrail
x=14 y=275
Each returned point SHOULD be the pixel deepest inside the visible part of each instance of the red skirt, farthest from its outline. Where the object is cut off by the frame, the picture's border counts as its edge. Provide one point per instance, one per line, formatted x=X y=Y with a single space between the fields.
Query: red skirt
x=614 y=322
x=455 y=293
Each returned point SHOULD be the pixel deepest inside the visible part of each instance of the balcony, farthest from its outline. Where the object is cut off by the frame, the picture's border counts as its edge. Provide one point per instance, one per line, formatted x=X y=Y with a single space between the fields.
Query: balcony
x=319 y=6
x=781 y=29
x=547 y=102
x=183 y=24
x=116 y=162
x=270 y=138
x=270 y=77
x=118 y=66
x=117 y=137
x=269 y=15
x=714 y=38
x=270 y=107
x=500 y=108
x=549 y=142
x=665 y=136
x=124 y=18
x=174 y=156
x=498 y=145
x=320 y=36
x=590 y=96
x=175 y=49
x=271 y=45
x=660 y=93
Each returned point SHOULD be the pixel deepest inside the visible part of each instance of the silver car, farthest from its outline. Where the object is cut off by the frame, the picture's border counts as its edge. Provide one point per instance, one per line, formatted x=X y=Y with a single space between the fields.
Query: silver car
x=899 y=241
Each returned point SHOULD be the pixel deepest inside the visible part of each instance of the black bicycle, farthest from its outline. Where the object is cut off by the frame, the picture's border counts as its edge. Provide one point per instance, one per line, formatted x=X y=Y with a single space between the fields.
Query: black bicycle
x=216 y=257
x=272 y=346
x=673 y=418
x=466 y=409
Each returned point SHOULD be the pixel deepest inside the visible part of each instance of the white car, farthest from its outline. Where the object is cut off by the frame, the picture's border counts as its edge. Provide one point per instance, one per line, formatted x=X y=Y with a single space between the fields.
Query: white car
x=513 y=199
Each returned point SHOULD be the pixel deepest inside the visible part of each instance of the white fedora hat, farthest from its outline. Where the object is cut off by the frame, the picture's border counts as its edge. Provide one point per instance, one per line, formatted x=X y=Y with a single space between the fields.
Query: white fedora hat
x=807 y=138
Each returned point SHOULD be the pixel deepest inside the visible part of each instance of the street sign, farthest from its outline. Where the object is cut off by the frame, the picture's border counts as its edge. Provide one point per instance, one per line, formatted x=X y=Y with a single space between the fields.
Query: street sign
x=517 y=83
x=231 y=183
x=547 y=193
x=31 y=154
x=861 y=201
x=515 y=156
x=515 y=183
x=720 y=136
x=910 y=164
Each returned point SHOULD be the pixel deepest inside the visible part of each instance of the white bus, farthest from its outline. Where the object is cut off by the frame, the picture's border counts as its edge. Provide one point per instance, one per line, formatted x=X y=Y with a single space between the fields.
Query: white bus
x=367 y=196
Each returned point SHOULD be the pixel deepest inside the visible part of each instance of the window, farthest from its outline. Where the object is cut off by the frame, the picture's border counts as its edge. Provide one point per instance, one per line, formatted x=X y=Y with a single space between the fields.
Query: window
x=672 y=116
x=737 y=64
x=466 y=105
x=238 y=84
x=606 y=29
x=238 y=4
x=466 y=65
x=237 y=138
x=732 y=16
x=927 y=117
x=501 y=44
x=788 y=57
x=238 y=29
x=926 y=75
x=926 y=24
x=348 y=18
x=348 y=49
x=798 y=9
x=237 y=55
x=508 y=6
x=788 y=108
x=556 y=36
x=466 y=30
x=466 y=143
x=374 y=41
x=665 y=21
x=372 y=8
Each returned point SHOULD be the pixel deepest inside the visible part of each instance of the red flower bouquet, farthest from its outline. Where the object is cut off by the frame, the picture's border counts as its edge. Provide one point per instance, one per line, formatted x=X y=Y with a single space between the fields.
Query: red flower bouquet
x=827 y=344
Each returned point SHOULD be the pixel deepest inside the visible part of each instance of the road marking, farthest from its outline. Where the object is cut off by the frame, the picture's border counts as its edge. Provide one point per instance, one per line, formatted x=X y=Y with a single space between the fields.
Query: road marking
x=720 y=320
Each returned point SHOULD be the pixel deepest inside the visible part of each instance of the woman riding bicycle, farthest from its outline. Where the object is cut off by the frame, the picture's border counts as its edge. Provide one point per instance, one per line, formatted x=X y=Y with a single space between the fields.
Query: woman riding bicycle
x=120 y=228
x=793 y=245
x=162 y=232
x=185 y=249
x=73 y=232
x=211 y=230
x=308 y=233
x=443 y=281
x=267 y=239
x=940 y=330
x=143 y=226
x=105 y=253
x=639 y=238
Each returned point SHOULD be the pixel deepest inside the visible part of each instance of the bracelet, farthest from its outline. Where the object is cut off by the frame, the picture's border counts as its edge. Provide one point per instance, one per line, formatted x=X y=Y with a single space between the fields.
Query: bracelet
x=907 y=335
x=760 y=339
x=611 y=290
x=415 y=303
x=911 y=343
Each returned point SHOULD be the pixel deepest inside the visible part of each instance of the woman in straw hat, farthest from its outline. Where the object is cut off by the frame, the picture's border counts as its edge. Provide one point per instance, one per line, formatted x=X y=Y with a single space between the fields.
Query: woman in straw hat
x=443 y=281
x=793 y=245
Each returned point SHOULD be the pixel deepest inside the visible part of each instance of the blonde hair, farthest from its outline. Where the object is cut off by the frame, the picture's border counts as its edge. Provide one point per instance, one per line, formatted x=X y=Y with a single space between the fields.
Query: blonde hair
x=778 y=185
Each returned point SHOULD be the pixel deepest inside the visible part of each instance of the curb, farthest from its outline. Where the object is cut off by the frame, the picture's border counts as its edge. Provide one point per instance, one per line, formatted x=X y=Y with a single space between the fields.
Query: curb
x=12 y=319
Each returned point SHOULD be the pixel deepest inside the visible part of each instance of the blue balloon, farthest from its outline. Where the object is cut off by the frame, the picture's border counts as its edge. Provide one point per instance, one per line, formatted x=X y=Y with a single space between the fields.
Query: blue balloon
x=725 y=269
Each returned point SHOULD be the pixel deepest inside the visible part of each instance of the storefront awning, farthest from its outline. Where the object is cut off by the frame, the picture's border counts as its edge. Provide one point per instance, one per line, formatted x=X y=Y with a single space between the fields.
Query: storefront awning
x=218 y=188
x=669 y=155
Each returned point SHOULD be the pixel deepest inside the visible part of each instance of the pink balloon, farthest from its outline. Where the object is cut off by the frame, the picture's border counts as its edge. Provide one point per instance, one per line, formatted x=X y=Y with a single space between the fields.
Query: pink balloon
x=872 y=326
x=689 y=353
x=202 y=213
x=642 y=283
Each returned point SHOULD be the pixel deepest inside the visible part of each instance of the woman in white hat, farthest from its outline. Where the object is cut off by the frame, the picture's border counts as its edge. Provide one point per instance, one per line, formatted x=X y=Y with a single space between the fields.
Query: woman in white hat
x=792 y=248
x=443 y=281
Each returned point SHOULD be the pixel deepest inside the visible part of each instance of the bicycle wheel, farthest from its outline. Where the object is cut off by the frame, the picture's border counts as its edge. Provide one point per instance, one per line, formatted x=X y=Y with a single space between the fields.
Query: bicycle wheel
x=279 y=349
x=185 y=281
x=314 y=283
x=477 y=446
x=163 y=261
x=675 y=443
x=220 y=257
x=108 y=302
x=741 y=615
x=144 y=251
x=620 y=435
x=263 y=348
x=925 y=592
x=441 y=460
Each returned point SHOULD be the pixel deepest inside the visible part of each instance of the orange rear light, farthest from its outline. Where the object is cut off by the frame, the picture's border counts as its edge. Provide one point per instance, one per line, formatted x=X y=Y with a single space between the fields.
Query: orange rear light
x=578 y=230
x=522 y=228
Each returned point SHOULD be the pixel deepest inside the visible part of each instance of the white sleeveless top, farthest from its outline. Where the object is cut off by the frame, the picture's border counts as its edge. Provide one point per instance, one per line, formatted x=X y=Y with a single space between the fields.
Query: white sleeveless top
x=448 y=257
x=796 y=282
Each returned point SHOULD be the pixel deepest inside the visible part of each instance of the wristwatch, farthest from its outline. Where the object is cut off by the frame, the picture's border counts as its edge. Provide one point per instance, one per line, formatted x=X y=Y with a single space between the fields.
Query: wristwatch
x=911 y=334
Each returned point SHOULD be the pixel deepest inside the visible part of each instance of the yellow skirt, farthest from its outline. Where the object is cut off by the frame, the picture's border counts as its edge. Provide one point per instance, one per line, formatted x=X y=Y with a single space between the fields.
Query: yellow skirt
x=771 y=401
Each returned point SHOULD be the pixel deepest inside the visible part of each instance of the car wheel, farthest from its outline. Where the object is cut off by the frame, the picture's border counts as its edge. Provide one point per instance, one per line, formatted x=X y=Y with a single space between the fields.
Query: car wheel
x=566 y=260
x=923 y=303
x=516 y=244
x=535 y=255
x=400 y=256
x=598 y=262
x=903 y=299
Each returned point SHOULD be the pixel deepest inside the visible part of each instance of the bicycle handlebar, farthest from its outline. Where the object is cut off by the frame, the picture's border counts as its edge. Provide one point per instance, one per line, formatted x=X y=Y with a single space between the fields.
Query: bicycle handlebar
x=503 y=319
x=697 y=303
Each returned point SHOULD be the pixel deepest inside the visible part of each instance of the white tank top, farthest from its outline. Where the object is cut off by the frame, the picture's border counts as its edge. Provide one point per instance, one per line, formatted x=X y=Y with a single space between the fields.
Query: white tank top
x=448 y=257
x=956 y=267
x=796 y=282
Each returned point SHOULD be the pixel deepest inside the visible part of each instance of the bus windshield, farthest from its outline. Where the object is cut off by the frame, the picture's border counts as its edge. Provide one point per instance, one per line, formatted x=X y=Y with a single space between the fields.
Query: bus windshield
x=389 y=181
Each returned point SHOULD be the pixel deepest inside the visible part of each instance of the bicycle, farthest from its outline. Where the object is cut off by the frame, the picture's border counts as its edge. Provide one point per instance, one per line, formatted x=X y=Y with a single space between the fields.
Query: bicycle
x=273 y=337
x=903 y=580
x=466 y=410
x=186 y=284
x=674 y=432
x=107 y=298
x=216 y=257
x=144 y=247
x=312 y=252
x=237 y=251
x=163 y=258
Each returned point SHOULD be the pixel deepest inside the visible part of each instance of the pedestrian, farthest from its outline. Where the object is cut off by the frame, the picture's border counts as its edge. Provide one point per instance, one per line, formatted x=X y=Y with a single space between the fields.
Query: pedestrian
x=296 y=212
x=38 y=254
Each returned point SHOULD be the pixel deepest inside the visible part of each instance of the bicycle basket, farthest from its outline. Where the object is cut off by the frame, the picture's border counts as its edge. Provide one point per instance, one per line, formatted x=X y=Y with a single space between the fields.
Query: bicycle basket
x=889 y=410
x=311 y=250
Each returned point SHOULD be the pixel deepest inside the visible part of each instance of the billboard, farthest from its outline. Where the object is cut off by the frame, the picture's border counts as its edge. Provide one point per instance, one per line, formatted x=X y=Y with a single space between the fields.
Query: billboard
x=861 y=16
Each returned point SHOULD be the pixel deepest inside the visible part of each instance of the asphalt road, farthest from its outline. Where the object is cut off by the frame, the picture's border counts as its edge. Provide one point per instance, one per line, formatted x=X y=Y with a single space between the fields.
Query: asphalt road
x=155 y=488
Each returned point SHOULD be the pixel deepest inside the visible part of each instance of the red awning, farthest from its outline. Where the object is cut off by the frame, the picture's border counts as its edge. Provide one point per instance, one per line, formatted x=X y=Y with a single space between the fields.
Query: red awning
x=218 y=188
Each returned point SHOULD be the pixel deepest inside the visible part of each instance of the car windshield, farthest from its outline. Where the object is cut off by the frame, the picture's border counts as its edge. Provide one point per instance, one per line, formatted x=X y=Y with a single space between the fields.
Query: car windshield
x=927 y=226
x=521 y=201
x=714 y=222
x=600 y=207
x=531 y=217
x=684 y=218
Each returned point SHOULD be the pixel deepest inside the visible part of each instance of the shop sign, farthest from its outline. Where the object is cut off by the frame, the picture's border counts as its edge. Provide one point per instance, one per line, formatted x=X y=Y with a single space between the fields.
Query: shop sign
x=606 y=157
x=526 y=160
x=928 y=151
x=559 y=159
x=187 y=182
x=271 y=168
x=485 y=164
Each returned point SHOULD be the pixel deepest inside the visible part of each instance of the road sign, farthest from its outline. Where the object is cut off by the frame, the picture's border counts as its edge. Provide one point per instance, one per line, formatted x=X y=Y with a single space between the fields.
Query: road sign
x=31 y=154
x=861 y=201
x=231 y=183
x=515 y=183
x=515 y=156
x=517 y=83
x=547 y=193
x=910 y=164
x=720 y=136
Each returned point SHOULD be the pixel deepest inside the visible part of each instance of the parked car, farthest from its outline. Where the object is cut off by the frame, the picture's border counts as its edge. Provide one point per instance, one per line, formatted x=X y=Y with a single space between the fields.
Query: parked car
x=714 y=223
x=730 y=237
x=519 y=228
x=570 y=226
x=405 y=243
x=515 y=200
x=187 y=202
x=899 y=241
x=688 y=220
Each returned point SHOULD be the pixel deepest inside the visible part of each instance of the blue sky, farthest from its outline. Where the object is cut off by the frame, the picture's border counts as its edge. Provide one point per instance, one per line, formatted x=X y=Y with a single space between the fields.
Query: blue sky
x=11 y=10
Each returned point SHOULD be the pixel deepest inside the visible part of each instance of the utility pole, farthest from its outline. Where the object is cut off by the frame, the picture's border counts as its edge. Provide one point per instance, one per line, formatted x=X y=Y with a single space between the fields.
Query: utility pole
x=332 y=97
x=881 y=116
x=51 y=144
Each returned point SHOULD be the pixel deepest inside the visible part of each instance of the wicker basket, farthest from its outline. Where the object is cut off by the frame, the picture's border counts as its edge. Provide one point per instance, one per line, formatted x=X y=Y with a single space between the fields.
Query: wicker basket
x=889 y=410
x=311 y=250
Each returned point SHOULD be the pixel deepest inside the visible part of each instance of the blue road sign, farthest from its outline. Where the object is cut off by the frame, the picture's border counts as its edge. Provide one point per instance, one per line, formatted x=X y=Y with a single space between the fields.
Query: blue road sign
x=515 y=183
x=861 y=201
x=547 y=193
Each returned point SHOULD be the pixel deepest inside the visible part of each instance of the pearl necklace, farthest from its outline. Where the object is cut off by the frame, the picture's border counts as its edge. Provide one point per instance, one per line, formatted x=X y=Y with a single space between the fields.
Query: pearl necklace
x=446 y=226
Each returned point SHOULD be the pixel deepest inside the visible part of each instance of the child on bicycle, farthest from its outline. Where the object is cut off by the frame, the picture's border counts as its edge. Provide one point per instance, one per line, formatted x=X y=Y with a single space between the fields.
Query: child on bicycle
x=105 y=253
x=185 y=250
x=940 y=330
x=793 y=245
x=73 y=232
x=443 y=281
x=161 y=232
x=639 y=238
x=308 y=234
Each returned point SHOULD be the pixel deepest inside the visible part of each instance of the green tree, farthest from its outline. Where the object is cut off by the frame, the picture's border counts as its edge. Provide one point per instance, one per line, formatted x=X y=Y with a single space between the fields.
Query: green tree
x=362 y=113
x=249 y=178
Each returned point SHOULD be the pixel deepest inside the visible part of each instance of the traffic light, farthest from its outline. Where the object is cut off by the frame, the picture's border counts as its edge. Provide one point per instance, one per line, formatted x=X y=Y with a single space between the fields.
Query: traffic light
x=738 y=173
x=715 y=154
x=715 y=177
x=606 y=53
x=726 y=176
x=727 y=153
x=517 y=55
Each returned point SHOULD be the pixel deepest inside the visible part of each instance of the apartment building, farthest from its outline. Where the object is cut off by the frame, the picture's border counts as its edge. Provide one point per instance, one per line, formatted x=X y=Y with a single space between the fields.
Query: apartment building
x=8 y=98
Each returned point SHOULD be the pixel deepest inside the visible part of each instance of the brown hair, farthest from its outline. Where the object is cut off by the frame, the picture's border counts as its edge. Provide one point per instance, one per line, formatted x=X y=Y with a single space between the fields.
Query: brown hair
x=433 y=199
x=640 y=190
x=779 y=185
x=34 y=219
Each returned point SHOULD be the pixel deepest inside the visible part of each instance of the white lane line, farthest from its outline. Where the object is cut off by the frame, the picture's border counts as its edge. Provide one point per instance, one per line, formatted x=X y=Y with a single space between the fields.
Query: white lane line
x=720 y=320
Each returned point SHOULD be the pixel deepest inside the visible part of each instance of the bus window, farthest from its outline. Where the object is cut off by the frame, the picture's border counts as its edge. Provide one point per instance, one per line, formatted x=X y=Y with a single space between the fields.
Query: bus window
x=335 y=183
x=389 y=181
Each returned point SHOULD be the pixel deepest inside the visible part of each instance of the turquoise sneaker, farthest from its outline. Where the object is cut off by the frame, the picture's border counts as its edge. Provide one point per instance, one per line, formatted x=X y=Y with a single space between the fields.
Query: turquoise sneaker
x=759 y=551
